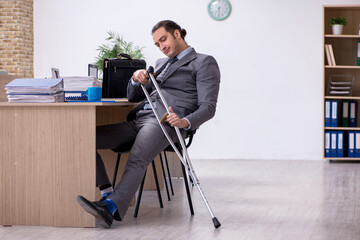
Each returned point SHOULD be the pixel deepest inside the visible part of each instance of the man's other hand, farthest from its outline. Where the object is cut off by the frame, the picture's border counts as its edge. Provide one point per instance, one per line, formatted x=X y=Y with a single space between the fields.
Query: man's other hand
x=141 y=76
x=174 y=120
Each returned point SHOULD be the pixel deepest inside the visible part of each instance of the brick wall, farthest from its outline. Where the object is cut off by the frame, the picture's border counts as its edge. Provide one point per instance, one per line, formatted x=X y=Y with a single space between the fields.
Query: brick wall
x=17 y=37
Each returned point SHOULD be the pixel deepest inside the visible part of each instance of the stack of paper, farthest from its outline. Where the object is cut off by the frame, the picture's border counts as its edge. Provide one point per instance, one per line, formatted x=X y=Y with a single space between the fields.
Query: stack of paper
x=80 y=84
x=35 y=90
x=75 y=87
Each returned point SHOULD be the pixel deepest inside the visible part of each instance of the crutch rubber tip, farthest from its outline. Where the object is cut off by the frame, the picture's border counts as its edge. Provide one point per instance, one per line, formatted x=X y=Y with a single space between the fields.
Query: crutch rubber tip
x=216 y=222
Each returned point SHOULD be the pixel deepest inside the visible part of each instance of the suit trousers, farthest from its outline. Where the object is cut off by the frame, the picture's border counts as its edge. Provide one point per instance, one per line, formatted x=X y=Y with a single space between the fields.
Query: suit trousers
x=149 y=140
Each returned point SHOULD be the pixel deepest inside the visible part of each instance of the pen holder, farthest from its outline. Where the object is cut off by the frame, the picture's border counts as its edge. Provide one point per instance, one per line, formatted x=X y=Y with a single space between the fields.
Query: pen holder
x=94 y=94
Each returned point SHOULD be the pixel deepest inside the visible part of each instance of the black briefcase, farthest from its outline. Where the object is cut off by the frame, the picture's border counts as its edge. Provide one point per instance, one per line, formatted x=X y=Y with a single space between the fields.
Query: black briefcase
x=117 y=73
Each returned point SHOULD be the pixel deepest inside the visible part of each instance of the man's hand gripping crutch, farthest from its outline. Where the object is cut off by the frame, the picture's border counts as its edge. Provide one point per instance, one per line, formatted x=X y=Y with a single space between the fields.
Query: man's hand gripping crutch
x=185 y=160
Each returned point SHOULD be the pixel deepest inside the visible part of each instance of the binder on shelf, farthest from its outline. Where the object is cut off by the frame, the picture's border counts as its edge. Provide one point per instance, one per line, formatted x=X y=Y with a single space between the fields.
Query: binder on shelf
x=334 y=114
x=353 y=114
x=327 y=144
x=357 y=144
x=333 y=144
x=351 y=149
x=340 y=144
x=332 y=57
x=358 y=54
x=345 y=114
x=328 y=54
x=327 y=113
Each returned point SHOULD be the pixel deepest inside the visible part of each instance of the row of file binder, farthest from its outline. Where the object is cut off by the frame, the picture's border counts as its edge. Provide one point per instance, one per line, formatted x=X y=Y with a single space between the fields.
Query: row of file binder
x=338 y=145
x=347 y=118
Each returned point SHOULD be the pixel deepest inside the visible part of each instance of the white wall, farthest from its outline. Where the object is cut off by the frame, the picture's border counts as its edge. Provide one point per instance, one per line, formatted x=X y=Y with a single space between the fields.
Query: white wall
x=270 y=55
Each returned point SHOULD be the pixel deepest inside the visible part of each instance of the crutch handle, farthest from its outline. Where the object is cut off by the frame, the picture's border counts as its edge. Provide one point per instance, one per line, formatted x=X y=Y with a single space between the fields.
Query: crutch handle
x=164 y=118
x=150 y=70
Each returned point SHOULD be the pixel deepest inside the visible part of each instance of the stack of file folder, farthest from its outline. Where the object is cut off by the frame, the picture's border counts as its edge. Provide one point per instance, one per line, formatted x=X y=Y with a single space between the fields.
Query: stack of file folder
x=35 y=90
x=339 y=144
x=348 y=116
x=75 y=87
x=334 y=144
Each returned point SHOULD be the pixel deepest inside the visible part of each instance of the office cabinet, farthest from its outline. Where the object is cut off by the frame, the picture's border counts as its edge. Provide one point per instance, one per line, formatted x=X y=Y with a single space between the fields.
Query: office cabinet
x=345 y=53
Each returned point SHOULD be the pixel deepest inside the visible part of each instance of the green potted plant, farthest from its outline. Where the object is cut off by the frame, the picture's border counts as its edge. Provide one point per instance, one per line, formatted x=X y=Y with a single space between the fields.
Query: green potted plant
x=337 y=25
x=116 y=46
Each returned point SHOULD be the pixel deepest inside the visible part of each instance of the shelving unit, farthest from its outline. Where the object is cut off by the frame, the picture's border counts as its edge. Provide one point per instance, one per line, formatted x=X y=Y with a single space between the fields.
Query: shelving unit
x=345 y=53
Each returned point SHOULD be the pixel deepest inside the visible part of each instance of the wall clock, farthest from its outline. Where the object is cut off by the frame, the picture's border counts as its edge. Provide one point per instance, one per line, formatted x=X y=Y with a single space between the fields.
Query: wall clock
x=219 y=9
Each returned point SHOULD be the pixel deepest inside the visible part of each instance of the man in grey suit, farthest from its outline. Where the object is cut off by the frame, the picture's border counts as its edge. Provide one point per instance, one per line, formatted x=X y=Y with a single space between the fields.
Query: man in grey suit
x=189 y=82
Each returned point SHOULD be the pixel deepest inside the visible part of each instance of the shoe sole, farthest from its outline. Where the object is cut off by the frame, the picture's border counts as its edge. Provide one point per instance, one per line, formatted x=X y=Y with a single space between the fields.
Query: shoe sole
x=86 y=205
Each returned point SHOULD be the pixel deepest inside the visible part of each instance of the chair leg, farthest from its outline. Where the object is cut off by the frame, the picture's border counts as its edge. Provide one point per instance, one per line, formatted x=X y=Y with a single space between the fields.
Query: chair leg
x=139 y=196
x=163 y=171
x=187 y=189
x=116 y=169
x=142 y=187
x=168 y=171
x=157 y=184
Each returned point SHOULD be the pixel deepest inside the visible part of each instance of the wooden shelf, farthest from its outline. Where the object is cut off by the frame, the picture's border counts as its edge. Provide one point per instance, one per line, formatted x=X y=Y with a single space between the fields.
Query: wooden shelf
x=342 y=97
x=350 y=6
x=343 y=67
x=342 y=159
x=341 y=36
x=343 y=128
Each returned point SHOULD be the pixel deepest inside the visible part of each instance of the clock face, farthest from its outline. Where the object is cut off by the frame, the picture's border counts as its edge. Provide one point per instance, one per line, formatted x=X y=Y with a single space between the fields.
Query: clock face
x=219 y=9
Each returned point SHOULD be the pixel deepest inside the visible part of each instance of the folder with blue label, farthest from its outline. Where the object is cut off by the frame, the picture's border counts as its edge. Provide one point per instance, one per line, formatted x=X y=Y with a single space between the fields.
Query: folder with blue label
x=351 y=150
x=327 y=113
x=345 y=114
x=340 y=144
x=333 y=144
x=357 y=144
x=334 y=114
x=353 y=114
x=327 y=144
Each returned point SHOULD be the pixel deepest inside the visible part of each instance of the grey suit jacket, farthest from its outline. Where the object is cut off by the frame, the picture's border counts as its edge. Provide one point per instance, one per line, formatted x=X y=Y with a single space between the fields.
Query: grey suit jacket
x=190 y=87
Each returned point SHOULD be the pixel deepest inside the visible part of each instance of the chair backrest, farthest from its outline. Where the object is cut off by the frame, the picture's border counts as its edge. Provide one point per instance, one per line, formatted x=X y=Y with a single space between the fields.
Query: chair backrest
x=189 y=138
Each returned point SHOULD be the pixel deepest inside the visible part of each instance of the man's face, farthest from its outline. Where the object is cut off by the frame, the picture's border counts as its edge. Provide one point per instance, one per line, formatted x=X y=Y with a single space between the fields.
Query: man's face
x=166 y=42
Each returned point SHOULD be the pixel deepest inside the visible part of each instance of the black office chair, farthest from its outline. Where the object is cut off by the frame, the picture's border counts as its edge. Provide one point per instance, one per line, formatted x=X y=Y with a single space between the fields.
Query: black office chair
x=125 y=149
x=170 y=149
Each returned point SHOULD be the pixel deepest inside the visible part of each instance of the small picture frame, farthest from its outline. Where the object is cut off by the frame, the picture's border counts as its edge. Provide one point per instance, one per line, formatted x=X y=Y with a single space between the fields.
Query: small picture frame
x=93 y=70
x=55 y=73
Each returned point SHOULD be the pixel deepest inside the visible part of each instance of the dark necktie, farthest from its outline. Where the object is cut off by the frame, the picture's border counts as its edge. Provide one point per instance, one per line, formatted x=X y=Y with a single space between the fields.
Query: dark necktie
x=167 y=65
x=159 y=78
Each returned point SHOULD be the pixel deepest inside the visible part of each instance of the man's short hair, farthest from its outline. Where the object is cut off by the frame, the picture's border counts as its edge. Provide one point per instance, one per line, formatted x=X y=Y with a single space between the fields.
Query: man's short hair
x=170 y=26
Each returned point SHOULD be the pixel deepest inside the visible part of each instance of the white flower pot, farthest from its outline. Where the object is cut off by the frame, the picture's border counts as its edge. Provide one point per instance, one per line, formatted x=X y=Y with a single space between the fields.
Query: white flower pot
x=337 y=29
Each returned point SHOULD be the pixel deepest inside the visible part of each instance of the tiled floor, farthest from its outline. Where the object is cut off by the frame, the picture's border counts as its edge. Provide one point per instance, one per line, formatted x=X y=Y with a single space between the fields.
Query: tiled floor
x=252 y=199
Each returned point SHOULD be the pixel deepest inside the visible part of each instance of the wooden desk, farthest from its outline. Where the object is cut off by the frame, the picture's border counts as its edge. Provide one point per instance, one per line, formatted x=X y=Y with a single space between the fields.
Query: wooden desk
x=47 y=158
